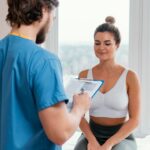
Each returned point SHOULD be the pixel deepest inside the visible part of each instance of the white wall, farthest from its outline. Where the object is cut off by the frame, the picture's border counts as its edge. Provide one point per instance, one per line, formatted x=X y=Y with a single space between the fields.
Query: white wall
x=4 y=27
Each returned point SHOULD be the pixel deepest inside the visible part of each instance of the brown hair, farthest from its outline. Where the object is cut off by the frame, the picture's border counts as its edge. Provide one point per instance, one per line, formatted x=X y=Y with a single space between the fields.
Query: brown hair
x=109 y=26
x=27 y=11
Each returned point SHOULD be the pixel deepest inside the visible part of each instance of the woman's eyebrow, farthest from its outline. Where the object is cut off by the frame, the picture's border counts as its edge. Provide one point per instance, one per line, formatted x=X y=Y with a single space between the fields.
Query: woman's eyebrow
x=107 y=41
x=97 y=41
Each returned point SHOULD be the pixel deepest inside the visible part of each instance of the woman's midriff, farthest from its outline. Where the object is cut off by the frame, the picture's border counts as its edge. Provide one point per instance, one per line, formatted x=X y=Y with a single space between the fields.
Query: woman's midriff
x=107 y=121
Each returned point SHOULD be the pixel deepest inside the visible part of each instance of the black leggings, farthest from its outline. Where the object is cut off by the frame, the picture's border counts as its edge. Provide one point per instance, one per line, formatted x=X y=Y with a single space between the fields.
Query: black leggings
x=102 y=133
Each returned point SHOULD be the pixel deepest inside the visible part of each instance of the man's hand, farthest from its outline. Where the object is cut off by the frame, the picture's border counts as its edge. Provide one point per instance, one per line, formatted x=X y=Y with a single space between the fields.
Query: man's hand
x=82 y=101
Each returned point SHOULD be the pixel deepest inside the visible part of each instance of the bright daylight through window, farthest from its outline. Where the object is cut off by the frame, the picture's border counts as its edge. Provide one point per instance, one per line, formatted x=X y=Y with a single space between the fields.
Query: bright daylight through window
x=77 y=22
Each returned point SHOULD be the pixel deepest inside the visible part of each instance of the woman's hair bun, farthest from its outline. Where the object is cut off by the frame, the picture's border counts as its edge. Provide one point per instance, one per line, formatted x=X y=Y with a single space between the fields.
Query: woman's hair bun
x=110 y=19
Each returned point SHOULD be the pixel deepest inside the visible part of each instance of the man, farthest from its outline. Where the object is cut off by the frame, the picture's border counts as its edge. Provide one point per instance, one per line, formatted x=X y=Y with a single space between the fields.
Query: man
x=33 y=113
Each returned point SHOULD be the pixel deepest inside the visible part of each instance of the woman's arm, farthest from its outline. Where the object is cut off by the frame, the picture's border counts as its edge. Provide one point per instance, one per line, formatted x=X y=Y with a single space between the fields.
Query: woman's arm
x=84 y=125
x=93 y=144
x=85 y=128
x=134 y=95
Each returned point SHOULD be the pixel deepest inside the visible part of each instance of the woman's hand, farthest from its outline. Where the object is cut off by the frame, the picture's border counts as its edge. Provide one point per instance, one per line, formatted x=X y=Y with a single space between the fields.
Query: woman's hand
x=93 y=146
x=106 y=147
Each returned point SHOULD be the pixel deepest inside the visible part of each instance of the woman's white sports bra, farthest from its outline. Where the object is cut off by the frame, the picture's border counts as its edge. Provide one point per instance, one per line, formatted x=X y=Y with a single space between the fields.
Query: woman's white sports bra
x=112 y=104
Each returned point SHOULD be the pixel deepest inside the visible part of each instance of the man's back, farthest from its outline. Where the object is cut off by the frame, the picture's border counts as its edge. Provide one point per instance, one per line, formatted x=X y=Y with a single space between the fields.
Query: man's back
x=22 y=64
x=32 y=96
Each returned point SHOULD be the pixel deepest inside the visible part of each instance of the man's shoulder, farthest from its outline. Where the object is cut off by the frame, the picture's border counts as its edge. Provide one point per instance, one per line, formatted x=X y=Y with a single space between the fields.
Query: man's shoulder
x=40 y=57
x=44 y=54
x=0 y=46
x=0 y=43
x=2 y=40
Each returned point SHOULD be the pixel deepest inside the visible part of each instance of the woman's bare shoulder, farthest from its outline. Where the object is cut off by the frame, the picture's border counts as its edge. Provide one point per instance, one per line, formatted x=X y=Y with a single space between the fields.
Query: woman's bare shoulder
x=131 y=74
x=83 y=74
x=132 y=77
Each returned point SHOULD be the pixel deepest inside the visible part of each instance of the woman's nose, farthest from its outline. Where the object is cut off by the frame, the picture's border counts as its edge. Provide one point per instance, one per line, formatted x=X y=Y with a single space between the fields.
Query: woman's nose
x=101 y=47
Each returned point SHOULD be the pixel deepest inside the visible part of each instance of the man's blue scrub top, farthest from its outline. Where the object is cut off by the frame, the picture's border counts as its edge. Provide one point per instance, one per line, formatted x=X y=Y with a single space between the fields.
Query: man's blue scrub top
x=30 y=80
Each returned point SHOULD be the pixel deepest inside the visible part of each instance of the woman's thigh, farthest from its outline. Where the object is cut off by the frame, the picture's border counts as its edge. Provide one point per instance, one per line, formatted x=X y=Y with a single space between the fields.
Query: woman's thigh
x=126 y=144
x=81 y=143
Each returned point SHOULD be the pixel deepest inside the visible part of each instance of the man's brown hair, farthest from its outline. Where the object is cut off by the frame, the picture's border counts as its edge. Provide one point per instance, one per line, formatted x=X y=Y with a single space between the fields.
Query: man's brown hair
x=27 y=11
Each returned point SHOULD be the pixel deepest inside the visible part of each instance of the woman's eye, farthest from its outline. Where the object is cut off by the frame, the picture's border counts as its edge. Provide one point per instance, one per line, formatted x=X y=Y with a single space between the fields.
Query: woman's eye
x=107 y=44
x=97 y=43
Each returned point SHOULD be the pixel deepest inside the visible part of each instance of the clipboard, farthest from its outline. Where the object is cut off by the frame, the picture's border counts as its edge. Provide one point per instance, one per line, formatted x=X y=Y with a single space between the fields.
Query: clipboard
x=77 y=85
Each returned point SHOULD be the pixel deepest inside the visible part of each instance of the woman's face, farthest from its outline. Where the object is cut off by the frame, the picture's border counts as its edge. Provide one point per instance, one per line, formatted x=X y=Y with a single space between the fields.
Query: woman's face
x=105 y=46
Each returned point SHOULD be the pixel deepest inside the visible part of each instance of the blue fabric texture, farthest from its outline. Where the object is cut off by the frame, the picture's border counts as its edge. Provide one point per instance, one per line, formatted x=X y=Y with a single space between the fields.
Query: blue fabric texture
x=30 y=81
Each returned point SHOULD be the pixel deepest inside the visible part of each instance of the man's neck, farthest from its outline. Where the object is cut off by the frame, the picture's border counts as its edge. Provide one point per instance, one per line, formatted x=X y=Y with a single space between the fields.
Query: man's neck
x=28 y=32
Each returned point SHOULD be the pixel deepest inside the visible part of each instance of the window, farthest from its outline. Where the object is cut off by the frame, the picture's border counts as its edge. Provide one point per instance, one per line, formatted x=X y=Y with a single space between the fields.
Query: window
x=77 y=22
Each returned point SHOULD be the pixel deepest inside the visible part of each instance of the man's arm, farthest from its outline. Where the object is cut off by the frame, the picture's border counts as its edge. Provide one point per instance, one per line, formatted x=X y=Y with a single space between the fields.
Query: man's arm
x=59 y=124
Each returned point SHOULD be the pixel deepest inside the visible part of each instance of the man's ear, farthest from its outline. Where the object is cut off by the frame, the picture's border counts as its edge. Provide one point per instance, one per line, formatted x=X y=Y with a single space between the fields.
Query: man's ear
x=45 y=10
x=45 y=13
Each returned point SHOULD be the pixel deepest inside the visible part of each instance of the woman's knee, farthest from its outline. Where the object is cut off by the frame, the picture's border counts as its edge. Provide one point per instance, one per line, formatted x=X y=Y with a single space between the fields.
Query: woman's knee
x=126 y=145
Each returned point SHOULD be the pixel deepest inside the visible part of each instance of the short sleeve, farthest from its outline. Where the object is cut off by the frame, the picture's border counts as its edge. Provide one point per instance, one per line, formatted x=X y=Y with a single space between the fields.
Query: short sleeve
x=1 y=63
x=47 y=84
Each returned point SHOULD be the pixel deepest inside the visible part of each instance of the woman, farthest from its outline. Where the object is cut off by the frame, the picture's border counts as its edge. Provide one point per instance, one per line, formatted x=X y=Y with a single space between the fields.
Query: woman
x=114 y=112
